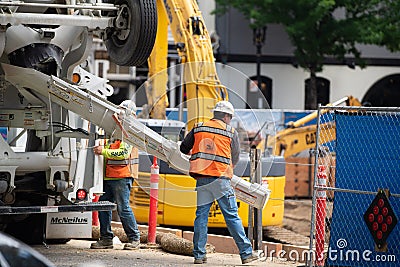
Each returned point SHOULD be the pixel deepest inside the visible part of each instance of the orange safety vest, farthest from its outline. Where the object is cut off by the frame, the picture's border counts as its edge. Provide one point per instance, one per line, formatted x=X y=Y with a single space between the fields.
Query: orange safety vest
x=211 y=152
x=122 y=168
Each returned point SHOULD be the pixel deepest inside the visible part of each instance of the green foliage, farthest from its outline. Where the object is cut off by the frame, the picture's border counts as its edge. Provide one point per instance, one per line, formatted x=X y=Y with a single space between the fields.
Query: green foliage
x=388 y=26
x=320 y=29
x=317 y=28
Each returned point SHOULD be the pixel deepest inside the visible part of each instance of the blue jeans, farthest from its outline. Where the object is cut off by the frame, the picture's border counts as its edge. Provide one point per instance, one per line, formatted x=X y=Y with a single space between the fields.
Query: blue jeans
x=209 y=189
x=118 y=191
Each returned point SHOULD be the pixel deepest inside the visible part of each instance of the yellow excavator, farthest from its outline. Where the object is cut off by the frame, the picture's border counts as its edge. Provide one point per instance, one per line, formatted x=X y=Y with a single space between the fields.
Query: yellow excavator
x=297 y=137
x=203 y=89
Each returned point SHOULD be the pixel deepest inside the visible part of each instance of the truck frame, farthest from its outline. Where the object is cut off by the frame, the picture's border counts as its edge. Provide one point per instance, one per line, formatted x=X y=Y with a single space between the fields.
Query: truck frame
x=44 y=149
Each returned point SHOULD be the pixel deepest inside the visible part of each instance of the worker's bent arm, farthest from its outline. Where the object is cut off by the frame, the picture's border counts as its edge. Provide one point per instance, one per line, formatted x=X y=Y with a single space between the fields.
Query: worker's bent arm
x=187 y=143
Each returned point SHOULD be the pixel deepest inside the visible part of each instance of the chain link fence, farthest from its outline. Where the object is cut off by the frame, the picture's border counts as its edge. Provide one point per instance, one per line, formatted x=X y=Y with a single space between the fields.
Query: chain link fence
x=356 y=192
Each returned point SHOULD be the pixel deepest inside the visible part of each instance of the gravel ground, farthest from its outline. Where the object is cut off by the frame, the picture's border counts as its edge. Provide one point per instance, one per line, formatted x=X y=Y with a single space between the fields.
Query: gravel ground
x=76 y=253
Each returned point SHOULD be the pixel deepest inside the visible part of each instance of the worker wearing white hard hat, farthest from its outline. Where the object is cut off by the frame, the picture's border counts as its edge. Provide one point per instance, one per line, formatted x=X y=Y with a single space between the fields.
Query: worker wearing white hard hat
x=129 y=105
x=121 y=168
x=224 y=107
x=214 y=148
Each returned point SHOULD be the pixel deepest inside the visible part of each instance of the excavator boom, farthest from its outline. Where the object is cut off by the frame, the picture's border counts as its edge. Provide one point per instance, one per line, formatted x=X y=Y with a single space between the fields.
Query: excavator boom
x=296 y=137
x=200 y=80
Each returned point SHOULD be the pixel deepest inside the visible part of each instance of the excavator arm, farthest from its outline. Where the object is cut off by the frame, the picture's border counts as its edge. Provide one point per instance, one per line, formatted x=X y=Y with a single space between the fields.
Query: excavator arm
x=296 y=137
x=199 y=80
x=294 y=140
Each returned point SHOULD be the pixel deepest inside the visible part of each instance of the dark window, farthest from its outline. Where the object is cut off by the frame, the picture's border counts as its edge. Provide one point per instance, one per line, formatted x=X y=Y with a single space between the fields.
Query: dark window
x=260 y=97
x=384 y=93
x=323 y=90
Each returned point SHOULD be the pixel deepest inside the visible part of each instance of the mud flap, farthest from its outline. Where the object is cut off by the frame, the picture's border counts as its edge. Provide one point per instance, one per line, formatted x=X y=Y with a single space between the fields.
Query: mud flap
x=65 y=225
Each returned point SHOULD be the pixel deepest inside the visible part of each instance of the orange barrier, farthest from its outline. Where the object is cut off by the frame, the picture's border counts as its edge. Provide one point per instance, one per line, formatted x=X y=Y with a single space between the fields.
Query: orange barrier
x=154 y=178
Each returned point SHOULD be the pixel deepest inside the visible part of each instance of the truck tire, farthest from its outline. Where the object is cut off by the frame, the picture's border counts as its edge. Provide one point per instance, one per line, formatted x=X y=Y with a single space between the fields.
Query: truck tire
x=133 y=46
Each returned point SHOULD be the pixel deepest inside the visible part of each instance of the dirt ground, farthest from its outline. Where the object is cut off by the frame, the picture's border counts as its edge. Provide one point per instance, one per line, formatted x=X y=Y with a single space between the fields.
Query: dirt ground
x=297 y=216
x=296 y=224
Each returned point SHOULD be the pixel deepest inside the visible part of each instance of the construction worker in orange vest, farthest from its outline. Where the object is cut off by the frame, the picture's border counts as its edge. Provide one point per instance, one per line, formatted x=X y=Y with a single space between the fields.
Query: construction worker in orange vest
x=214 y=148
x=121 y=167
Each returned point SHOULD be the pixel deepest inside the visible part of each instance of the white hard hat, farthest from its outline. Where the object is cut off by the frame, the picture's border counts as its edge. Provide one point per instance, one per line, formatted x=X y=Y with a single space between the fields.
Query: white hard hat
x=129 y=105
x=225 y=107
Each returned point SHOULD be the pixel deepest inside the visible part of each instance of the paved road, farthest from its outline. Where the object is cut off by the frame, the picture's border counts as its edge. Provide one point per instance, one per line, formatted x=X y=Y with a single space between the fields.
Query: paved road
x=76 y=253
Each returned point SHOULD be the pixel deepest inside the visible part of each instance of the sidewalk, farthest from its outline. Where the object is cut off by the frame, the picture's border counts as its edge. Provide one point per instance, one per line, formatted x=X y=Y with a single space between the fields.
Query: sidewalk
x=77 y=253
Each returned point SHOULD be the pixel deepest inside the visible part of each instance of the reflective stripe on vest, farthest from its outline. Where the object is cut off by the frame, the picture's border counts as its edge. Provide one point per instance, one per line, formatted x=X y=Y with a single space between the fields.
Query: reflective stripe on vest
x=211 y=152
x=122 y=162
x=202 y=155
x=228 y=132
x=134 y=166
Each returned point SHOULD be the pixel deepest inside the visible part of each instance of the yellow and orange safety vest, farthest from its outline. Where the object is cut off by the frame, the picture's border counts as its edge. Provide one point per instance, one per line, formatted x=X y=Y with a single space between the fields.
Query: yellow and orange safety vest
x=122 y=160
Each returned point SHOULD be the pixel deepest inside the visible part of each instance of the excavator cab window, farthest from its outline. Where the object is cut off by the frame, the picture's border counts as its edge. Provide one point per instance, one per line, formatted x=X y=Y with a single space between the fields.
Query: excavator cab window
x=169 y=129
x=171 y=133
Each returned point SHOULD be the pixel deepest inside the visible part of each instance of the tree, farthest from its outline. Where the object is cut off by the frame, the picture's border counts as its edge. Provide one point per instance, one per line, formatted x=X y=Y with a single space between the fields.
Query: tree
x=318 y=29
x=387 y=26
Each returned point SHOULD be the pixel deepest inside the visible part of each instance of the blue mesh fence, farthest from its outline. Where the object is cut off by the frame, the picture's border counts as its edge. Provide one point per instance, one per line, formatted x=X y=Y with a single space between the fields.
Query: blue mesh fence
x=354 y=221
